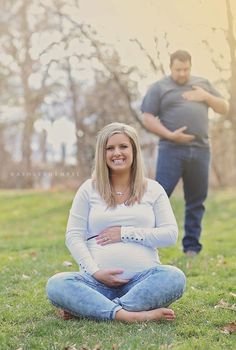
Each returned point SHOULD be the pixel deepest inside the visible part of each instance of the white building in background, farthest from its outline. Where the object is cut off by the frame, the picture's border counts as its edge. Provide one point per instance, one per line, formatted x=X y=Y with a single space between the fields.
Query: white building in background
x=60 y=134
x=60 y=137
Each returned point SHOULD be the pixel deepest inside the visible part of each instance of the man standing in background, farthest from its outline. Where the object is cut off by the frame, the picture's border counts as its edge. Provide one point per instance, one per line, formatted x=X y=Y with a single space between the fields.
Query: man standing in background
x=176 y=109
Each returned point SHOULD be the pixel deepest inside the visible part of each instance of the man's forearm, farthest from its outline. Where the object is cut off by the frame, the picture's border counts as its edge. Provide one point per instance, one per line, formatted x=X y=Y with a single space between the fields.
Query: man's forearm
x=154 y=125
x=218 y=104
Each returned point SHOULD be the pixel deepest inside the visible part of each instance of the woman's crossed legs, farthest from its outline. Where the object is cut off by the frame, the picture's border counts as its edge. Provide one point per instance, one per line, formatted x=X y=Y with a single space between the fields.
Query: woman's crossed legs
x=143 y=298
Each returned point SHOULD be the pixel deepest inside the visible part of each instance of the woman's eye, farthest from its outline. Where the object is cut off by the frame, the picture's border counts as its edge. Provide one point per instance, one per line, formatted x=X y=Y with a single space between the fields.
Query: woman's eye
x=110 y=148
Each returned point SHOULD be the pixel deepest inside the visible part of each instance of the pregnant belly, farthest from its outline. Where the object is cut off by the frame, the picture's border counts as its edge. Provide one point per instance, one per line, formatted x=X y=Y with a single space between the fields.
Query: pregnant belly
x=130 y=257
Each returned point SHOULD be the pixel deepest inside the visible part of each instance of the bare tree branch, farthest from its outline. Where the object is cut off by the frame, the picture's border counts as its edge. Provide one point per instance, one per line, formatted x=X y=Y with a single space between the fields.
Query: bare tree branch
x=151 y=61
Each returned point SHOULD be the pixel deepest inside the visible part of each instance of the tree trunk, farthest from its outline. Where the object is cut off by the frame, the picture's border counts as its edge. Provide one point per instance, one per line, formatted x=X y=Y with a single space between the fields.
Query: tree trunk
x=84 y=166
x=232 y=47
x=26 y=69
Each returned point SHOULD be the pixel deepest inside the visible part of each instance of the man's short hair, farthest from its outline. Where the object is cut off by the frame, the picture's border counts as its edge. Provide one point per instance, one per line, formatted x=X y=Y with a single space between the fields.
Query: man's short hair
x=180 y=55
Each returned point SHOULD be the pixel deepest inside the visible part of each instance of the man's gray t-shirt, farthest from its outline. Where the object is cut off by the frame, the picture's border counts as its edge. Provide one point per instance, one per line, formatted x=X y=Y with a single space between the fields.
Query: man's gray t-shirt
x=164 y=99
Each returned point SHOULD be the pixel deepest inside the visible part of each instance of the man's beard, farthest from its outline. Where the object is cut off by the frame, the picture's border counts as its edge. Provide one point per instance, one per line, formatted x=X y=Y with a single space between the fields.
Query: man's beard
x=181 y=81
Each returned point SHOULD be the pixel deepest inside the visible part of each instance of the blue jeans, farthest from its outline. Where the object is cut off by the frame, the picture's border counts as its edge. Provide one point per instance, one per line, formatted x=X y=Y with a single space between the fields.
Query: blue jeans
x=190 y=163
x=82 y=295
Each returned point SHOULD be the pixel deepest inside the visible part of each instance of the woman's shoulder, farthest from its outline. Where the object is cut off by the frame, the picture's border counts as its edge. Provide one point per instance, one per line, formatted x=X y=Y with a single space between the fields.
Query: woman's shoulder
x=86 y=187
x=154 y=187
x=87 y=183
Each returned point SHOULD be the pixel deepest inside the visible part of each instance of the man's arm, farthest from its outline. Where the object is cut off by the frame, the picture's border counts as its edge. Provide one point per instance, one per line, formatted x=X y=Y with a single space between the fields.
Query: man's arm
x=198 y=94
x=154 y=125
x=218 y=104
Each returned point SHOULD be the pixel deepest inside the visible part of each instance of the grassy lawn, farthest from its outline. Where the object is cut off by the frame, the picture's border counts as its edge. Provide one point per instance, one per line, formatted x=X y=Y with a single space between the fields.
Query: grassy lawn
x=32 y=249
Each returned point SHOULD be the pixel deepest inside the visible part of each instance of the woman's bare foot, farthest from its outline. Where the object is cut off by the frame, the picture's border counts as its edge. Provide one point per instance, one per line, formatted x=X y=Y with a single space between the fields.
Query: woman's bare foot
x=161 y=314
x=65 y=314
x=142 y=316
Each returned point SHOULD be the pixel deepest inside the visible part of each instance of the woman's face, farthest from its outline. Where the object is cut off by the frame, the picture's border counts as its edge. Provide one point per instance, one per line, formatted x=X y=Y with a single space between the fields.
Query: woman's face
x=119 y=153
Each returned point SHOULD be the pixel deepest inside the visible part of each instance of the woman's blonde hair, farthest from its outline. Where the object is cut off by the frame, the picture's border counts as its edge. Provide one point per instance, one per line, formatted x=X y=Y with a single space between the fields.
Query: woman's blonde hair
x=101 y=174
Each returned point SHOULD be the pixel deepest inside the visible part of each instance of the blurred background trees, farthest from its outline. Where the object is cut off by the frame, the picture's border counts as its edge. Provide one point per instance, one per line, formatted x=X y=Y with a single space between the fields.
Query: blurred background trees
x=61 y=83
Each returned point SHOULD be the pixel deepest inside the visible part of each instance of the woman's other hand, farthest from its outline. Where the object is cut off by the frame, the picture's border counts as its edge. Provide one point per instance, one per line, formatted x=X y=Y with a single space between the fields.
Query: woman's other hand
x=110 y=277
x=109 y=235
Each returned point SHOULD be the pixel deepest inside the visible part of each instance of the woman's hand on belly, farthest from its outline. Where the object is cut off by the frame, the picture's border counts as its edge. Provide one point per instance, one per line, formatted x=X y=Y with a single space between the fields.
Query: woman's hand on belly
x=110 y=277
x=109 y=235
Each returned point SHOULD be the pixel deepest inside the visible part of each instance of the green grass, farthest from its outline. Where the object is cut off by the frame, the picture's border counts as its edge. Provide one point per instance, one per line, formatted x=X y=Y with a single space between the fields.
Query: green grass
x=32 y=226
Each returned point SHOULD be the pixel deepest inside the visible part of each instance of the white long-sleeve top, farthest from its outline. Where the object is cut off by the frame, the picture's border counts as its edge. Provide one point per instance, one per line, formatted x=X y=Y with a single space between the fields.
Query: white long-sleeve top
x=145 y=226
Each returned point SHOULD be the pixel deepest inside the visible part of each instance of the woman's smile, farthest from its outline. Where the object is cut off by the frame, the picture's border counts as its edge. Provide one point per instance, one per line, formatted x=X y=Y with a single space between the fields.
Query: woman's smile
x=118 y=161
x=119 y=152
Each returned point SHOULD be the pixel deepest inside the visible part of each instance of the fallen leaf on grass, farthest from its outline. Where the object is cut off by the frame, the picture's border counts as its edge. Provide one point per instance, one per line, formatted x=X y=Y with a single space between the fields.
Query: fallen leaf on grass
x=188 y=265
x=166 y=346
x=232 y=294
x=33 y=253
x=224 y=305
x=228 y=328
x=67 y=263
x=70 y=347
x=221 y=260
x=25 y=277
x=97 y=347
x=114 y=347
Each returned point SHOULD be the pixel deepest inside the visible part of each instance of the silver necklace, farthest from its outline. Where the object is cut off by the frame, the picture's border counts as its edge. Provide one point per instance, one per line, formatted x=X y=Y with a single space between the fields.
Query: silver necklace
x=120 y=193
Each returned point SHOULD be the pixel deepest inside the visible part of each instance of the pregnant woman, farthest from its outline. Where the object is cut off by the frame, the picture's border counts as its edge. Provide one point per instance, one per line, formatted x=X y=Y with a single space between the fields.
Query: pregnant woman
x=117 y=221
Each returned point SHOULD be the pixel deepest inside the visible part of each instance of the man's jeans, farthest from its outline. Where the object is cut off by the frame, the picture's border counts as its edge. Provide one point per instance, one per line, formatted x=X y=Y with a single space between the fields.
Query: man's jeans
x=82 y=295
x=190 y=163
